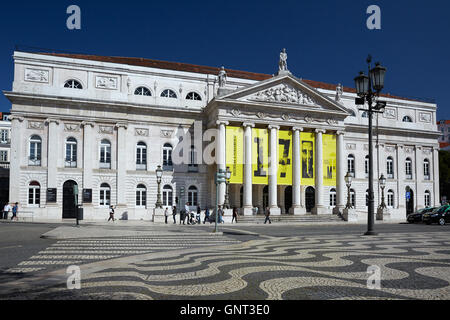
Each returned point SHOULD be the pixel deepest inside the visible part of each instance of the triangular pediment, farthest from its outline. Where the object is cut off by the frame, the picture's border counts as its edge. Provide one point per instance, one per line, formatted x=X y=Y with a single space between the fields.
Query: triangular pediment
x=285 y=90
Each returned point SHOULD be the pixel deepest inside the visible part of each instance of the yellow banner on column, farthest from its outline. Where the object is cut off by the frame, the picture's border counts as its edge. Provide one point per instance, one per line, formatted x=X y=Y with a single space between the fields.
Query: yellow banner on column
x=235 y=153
x=260 y=156
x=284 y=158
x=329 y=159
x=307 y=147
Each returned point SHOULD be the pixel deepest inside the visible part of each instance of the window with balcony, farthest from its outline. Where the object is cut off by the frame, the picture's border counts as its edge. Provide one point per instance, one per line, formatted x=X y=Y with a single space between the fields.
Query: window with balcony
x=427 y=198
x=35 y=151
x=141 y=156
x=390 y=167
x=71 y=153
x=426 y=169
x=167 y=157
x=351 y=165
x=105 y=154
x=408 y=168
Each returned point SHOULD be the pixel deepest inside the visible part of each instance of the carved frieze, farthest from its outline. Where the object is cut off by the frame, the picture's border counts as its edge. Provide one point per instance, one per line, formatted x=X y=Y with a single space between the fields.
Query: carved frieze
x=39 y=125
x=425 y=117
x=285 y=117
x=408 y=149
x=106 y=129
x=235 y=112
x=389 y=149
x=36 y=75
x=427 y=150
x=110 y=83
x=261 y=115
x=389 y=113
x=283 y=93
x=351 y=146
x=166 y=133
x=141 y=132
x=72 y=127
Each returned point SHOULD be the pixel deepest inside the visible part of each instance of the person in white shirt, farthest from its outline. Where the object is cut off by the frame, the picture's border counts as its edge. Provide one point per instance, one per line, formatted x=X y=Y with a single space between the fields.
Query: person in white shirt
x=6 y=209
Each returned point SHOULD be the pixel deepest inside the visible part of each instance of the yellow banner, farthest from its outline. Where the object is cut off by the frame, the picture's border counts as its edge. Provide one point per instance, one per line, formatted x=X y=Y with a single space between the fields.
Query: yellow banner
x=260 y=156
x=329 y=159
x=307 y=147
x=235 y=153
x=285 y=158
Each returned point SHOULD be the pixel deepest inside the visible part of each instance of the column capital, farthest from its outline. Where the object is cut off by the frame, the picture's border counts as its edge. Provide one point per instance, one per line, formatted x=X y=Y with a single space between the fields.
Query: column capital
x=340 y=132
x=271 y=126
x=224 y=122
x=52 y=120
x=14 y=117
x=121 y=125
x=248 y=124
x=320 y=130
x=87 y=123
x=297 y=129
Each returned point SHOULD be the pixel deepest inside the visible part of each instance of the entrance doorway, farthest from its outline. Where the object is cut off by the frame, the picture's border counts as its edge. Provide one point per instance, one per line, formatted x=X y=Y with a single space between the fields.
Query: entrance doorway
x=265 y=198
x=287 y=199
x=310 y=198
x=69 y=207
x=409 y=194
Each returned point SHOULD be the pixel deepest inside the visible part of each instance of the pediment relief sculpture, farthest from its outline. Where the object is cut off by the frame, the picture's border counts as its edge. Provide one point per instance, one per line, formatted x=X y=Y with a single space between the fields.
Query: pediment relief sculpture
x=71 y=127
x=283 y=93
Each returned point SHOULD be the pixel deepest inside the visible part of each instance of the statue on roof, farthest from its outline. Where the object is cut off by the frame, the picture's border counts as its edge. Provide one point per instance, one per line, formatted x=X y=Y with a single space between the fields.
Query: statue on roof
x=339 y=92
x=222 y=77
x=282 y=65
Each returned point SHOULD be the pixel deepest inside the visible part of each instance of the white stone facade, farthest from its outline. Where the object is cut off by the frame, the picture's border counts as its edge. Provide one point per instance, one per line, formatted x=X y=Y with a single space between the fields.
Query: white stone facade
x=106 y=108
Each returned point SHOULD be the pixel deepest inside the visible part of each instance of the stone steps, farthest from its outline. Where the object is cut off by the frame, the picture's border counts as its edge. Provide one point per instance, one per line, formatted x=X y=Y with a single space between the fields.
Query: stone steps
x=291 y=218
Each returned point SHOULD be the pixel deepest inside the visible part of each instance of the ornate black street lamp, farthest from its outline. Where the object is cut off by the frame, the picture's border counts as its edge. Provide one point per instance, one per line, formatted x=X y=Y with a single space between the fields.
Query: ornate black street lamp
x=368 y=90
x=226 y=203
x=382 y=181
x=348 y=182
x=159 y=173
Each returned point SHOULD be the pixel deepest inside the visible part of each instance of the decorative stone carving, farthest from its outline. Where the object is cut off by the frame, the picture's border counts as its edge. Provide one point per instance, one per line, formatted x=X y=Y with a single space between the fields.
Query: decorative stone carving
x=425 y=117
x=39 y=125
x=261 y=115
x=235 y=112
x=71 y=127
x=283 y=93
x=106 y=129
x=339 y=92
x=332 y=122
x=427 y=150
x=389 y=113
x=308 y=119
x=106 y=82
x=285 y=117
x=351 y=146
x=408 y=149
x=222 y=77
x=389 y=149
x=141 y=132
x=166 y=133
x=36 y=75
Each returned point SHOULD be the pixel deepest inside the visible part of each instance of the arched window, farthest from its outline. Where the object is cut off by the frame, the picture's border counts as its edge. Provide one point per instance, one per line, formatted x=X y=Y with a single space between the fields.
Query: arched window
x=366 y=166
x=390 y=167
x=390 y=198
x=35 y=151
x=34 y=194
x=353 y=197
x=351 y=164
x=141 y=196
x=142 y=91
x=168 y=94
x=105 y=154
x=167 y=156
x=141 y=156
x=192 y=196
x=408 y=168
x=426 y=169
x=407 y=119
x=365 y=114
x=193 y=96
x=167 y=196
x=71 y=153
x=427 y=198
x=105 y=195
x=73 y=84
x=333 y=197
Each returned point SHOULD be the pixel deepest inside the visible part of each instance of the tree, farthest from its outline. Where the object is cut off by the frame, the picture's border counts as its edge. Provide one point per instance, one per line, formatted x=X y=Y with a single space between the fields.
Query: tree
x=444 y=173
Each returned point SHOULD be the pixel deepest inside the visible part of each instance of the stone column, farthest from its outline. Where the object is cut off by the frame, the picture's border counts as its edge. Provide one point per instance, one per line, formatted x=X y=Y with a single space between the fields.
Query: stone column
x=17 y=140
x=221 y=156
x=273 y=170
x=121 y=156
x=53 y=151
x=297 y=207
x=418 y=177
x=436 y=195
x=248 y=174
x=400 y=174
x=340 y=174
x=320 y=207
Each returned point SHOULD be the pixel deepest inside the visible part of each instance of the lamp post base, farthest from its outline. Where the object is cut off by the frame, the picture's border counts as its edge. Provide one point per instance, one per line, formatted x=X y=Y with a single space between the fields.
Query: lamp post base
x=370 y=233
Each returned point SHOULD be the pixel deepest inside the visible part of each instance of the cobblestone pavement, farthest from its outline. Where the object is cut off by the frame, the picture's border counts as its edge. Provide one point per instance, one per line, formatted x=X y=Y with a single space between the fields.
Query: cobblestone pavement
x=412 y=266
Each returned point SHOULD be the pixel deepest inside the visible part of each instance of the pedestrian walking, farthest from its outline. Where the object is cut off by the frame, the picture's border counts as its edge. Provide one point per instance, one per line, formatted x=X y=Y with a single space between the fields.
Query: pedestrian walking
x=166 y=213
x=234 y=215
x=6 y=209
x=267 y=216
x=111 y=213
x=199 y=212
x=220 y=214
x=15 y=211
x=206 y=215
x=174 y=213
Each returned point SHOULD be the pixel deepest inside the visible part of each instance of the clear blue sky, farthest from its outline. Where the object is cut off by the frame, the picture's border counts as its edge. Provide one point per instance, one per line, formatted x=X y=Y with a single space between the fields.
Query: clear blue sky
x=325 y=40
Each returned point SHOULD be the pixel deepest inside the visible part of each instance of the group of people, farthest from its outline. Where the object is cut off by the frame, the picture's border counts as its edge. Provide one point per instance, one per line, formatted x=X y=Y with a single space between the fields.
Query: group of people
x=191 y=218
x=8 y=208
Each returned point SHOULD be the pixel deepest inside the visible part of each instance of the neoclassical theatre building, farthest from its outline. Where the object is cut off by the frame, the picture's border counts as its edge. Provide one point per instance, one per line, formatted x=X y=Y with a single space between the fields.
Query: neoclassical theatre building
x=102 y=126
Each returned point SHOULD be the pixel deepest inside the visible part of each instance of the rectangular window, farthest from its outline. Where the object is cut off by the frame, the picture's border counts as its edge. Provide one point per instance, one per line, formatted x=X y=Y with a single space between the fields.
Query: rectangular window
x=3 y=156
x=4 y=137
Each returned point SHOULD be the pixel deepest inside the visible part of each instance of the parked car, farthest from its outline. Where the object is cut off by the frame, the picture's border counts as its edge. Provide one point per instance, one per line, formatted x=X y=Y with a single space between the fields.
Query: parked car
x=440 y=216
x=418 y=215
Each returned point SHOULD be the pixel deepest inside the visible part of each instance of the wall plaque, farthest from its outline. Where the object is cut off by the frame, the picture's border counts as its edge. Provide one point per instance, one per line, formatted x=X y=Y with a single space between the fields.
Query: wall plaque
x=87 y=195
x=51 y=195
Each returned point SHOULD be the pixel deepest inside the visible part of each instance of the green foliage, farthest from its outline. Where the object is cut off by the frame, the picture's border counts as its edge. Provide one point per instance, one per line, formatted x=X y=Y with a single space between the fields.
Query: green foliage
x=444 y=173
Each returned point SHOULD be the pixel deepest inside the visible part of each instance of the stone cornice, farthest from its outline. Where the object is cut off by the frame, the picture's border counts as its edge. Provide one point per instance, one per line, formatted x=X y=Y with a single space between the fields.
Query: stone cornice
x=52 y=120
